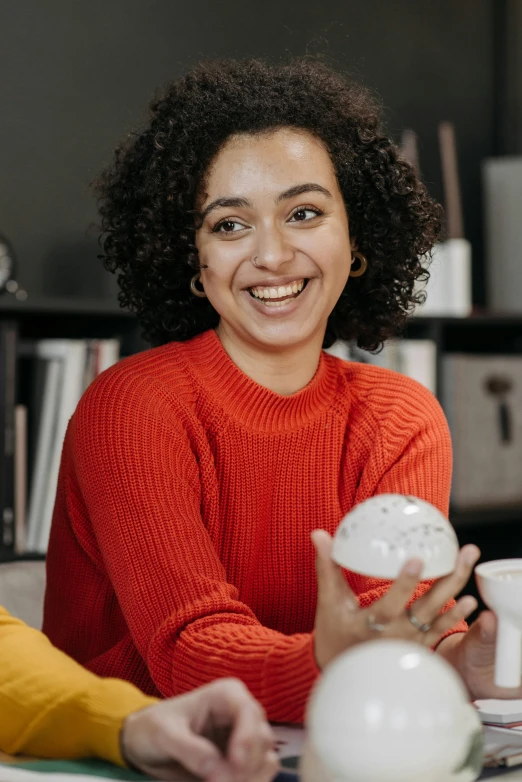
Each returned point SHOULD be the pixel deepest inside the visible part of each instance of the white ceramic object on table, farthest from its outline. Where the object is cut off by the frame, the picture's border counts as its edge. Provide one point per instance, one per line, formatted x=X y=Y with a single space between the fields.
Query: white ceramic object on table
x=500 y=585
x=391 y=711
x=381 y=533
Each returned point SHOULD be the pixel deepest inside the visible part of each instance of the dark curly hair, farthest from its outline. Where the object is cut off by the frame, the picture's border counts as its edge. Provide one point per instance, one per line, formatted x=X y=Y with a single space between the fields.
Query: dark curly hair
x=147 y=197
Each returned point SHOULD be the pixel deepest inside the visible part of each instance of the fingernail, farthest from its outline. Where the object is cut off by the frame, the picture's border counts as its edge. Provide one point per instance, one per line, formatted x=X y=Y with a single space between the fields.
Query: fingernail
x=467 y=605
x=471 y=556
x=414 y=567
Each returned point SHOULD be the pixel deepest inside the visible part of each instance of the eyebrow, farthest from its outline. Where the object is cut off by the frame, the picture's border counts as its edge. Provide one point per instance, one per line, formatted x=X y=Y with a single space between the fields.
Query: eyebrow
x=238 y=203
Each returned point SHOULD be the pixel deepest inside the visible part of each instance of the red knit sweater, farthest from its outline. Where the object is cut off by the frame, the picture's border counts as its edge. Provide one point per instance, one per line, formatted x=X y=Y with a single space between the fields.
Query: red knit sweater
x=180 y=548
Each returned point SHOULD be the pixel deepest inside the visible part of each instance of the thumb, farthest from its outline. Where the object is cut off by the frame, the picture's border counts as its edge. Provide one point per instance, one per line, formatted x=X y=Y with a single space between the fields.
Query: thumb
x=331 y=584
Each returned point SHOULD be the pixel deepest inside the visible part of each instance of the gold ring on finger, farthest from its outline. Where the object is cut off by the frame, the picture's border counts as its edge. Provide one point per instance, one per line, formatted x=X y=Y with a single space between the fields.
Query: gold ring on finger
x=422 y=627
x=373 y=625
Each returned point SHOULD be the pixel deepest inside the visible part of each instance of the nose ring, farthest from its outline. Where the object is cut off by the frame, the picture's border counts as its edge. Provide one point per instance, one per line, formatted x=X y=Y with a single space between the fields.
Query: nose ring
x=254 y=261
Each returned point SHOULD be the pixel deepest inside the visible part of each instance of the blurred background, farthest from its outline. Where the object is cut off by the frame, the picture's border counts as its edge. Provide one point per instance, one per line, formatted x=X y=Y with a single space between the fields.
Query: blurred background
x=77 y=76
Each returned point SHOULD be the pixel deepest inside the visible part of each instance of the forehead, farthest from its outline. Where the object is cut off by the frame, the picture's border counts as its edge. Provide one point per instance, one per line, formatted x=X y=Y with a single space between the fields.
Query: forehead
x=271 y=161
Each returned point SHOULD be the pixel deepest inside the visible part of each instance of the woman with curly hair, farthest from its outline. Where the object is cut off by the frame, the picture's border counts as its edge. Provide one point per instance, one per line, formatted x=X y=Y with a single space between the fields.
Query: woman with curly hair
x=262 y=215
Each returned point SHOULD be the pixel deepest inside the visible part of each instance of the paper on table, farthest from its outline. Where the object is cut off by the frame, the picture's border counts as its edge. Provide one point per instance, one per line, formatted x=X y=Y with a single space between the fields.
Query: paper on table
x=289 y=740
x=502 y=744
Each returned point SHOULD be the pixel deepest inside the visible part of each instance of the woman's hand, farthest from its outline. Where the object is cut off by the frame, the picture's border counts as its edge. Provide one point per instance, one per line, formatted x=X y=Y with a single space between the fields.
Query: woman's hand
x=473 y=655
x=217 y=732
x=340 y=623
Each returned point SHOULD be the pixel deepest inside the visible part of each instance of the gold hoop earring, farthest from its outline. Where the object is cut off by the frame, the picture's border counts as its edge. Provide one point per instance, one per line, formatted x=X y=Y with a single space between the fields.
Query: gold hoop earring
x=363 y=265
x=199 y=292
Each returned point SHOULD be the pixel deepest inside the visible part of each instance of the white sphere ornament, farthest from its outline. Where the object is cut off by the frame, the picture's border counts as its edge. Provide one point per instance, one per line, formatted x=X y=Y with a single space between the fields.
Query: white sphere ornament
x=391 y=711
x=379 y=535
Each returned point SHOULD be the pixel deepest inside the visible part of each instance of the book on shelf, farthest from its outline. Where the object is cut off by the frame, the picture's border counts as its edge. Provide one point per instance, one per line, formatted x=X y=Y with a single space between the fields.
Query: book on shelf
x=8 y=348
x=20 y=478
x=56 y=373
x=416 y=358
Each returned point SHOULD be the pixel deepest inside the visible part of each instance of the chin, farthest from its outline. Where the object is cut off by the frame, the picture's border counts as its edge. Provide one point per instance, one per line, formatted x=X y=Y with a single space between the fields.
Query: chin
x=284 y=338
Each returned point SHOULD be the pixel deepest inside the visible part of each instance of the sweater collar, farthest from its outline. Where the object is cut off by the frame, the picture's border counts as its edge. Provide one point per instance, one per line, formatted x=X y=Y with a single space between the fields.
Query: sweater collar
x=256 y=406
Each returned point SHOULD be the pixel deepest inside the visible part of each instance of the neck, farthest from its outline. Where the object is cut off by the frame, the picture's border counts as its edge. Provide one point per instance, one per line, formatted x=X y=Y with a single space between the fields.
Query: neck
x=284 y=371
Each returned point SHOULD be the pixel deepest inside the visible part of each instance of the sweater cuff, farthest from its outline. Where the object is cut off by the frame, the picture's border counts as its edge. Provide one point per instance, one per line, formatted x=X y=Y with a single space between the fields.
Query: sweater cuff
x=106 y=705
x=295 y=676
x=460 y=627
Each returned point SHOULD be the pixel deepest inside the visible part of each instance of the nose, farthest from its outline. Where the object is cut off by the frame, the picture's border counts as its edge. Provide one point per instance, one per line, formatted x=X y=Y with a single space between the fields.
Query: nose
x=272 y=249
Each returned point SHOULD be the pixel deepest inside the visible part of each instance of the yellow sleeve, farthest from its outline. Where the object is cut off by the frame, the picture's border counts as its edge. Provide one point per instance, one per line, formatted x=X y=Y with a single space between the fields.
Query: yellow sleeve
x=52 y=707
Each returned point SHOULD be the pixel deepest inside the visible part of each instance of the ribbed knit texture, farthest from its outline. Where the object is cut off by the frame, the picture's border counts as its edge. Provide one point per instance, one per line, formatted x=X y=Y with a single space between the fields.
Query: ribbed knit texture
x=180 y=547
x=51 y=707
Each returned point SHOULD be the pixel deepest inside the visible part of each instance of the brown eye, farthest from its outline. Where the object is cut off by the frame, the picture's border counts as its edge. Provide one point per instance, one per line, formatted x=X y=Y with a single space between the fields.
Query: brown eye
x=304 y=213
x=228 y=227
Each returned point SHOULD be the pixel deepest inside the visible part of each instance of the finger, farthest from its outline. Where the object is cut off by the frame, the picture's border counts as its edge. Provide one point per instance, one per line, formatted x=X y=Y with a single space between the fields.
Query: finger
x=230 y=703
x=267 y=771
x=446 y=621
x=392 y=604
x=251 y=739
x=432 y=602
x=485 y=628
x=331 y=584
x=196 y=753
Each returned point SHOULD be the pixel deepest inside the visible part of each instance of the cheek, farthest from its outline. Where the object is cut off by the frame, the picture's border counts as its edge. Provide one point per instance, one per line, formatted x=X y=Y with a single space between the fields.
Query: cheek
x=332 y=253
x=222 y=263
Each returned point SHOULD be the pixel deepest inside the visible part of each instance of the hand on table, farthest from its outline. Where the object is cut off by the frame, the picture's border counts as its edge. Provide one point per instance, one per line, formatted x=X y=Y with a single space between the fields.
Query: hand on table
x=340 y=623
x=217 y=732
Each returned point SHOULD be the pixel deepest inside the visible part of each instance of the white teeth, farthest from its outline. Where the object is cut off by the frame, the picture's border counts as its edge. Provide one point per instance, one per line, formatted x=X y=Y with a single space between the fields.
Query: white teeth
x=279 y=292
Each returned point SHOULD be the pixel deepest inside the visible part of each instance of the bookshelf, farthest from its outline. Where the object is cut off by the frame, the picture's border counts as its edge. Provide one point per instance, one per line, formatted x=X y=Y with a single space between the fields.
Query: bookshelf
x=498 y=530
x=74 y=318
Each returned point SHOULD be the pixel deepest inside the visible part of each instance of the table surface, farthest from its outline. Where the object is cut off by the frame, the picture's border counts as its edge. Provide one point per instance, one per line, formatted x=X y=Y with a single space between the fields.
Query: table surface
x=513 y=775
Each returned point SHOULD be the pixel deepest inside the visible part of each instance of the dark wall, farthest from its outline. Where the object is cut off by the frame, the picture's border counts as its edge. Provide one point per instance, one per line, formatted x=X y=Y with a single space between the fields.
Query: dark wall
x=76 y=76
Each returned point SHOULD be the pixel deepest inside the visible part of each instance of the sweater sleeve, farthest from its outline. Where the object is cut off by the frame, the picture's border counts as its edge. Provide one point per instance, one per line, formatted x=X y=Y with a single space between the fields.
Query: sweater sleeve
x=52 y=707
x=417 y=452
x=139 y=480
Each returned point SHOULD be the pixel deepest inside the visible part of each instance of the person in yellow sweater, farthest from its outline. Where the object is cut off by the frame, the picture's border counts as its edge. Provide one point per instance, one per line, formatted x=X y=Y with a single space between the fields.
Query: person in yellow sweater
x=50 y=706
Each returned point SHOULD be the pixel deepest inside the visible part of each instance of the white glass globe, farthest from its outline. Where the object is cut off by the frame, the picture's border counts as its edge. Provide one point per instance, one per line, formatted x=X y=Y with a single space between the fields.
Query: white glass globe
x=391 y=711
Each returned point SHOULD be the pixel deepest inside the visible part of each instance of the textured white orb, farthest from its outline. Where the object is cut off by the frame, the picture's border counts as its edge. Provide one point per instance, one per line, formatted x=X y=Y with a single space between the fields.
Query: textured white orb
x=379 y=535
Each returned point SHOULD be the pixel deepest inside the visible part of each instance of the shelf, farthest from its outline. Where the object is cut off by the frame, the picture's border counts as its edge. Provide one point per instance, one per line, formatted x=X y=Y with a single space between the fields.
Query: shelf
x=481 y=319
x=77 y=305
x=29 y=557
x=62 y=306
x=502 y=515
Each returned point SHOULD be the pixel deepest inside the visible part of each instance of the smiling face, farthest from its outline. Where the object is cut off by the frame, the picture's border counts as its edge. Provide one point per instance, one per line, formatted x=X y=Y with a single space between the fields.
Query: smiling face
x=274 y=239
